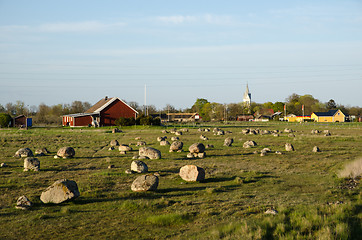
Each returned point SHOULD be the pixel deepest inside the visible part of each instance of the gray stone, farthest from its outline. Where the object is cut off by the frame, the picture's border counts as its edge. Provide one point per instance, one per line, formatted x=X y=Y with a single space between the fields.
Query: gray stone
x=175 y=138
x=228 y=142
x=192 y=173
x=3 y=165
x=202 y=137
x=245 y=131
x=41 y=152
x=316 y=149
x=271 y=211
x=141 y=143
x=249 y=144
x=289 y=147
x=66 y=152
x=149 y=152
x=197 y=148
x=110 y=166
x=190 y=155
x=23 y=152
x=164 y=143
x=176 y=146
x=161 y=138
x=139 y=166
x=114 y=143
x=60 y=191
x=201 y=155
x=288 y=130
x=23 y=203
x=124 y=148
x=31 y=163
x=116 y=130
x=128 y=171
x=209 y=146
x=145 y=183
x=178 y=133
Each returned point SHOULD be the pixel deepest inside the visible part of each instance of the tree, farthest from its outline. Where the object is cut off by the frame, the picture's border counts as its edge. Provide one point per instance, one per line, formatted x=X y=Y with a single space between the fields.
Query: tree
x=5 y=120
x=331 y=104
x=2 y=109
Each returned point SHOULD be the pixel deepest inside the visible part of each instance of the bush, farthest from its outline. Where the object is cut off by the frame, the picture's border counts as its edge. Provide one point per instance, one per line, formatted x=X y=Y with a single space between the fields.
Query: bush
x=125 y=121
x=5 y=120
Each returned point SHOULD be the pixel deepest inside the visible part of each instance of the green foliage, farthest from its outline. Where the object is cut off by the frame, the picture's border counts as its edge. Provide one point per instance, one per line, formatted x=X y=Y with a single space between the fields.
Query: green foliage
x=5 y=120
x=140 y=120
x=169 y=219
x=125 y=121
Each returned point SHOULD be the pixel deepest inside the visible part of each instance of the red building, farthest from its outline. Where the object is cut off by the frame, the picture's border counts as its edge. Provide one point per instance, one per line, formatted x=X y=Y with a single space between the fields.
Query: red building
x=104 y=113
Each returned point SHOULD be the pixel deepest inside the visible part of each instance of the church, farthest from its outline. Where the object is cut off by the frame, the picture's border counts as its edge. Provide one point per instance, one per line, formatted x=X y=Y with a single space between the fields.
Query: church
x=247 y=97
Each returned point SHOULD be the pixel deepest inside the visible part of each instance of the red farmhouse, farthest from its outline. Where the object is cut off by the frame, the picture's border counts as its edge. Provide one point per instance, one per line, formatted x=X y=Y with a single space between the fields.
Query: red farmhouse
x=103 y=113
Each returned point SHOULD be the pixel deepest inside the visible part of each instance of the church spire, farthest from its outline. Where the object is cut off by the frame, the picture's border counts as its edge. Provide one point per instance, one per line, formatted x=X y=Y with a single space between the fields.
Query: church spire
x=247 y=96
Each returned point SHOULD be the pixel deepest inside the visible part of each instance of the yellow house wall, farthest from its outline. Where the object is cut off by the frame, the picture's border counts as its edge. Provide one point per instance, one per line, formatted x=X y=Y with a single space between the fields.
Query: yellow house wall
x=336 y=118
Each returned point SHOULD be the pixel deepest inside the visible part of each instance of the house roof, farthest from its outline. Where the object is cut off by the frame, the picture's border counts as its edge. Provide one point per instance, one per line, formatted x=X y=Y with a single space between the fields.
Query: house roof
x=330 y=113
x=105 y=102
x=80 y=114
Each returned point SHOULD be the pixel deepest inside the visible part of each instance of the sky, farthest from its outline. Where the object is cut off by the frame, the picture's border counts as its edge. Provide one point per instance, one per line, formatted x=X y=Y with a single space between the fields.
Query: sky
x=173 y=52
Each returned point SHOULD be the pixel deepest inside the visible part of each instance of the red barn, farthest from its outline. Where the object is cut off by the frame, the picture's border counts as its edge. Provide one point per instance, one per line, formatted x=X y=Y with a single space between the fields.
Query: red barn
x=104 y=113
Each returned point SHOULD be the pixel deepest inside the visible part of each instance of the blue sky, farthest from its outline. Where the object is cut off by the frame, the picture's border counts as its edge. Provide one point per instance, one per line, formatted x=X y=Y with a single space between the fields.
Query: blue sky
x=59 y=51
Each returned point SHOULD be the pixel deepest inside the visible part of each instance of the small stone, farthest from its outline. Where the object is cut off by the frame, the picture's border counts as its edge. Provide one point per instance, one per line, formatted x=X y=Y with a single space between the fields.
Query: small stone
x=228 y=142
x=289 y=147
x=128 y=171
x=316 y=149
x=23 y=203
x=190 y=155
x=271 y=211
x=114 y=143
x=111 y=148
x=3 y=165
x=201 y=155
x=277 y=152
x=66 y=152
x=110 y=166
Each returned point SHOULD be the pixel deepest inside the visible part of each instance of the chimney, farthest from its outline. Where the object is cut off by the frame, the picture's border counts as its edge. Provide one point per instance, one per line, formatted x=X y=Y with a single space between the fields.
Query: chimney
x=106 y=98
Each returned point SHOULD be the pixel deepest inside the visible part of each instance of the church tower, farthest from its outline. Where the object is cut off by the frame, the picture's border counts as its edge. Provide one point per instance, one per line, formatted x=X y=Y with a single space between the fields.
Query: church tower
x=247 y=96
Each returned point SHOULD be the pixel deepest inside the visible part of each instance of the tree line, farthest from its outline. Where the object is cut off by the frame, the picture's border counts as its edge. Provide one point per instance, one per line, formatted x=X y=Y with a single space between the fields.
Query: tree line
x=209 y=111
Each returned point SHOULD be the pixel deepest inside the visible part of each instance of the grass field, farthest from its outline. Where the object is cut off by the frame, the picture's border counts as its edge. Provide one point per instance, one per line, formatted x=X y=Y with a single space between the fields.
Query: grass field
x=312 y=202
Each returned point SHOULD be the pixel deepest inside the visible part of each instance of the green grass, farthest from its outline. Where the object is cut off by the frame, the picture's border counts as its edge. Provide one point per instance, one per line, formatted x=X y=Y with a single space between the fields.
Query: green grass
x=230 y=204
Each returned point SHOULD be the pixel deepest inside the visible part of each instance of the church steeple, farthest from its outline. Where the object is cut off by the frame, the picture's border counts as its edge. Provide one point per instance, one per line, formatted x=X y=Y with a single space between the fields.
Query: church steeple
x=247 y=96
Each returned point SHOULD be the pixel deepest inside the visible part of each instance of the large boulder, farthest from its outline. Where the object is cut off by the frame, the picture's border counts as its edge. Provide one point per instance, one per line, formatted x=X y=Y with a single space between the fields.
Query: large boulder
x=31 y=163
x=23 y=152
x=60 y=191
x=289 y=147
x=66 y=152
x=145 y=183
x=249 y=144
x=197 y=148
x=139 y=166
x=149 y=152
x=228 y=142
x=192 y=173
x=176 y=146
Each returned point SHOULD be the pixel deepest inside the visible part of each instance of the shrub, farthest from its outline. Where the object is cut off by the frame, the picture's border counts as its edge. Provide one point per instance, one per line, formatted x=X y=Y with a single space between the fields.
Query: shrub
x=5 y=120
x=125 y=121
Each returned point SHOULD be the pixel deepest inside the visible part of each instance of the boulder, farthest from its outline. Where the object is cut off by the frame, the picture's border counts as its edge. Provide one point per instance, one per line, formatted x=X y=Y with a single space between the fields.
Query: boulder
x=228 y=142
x=164 y=143
x=192 y=173
x=178 y=133
x=141 y=143
x=249 y=144
x=60 y=191
x=202 y=137
x=66 y=152
x=289 y=147
x=31 y=163
x=116 y=130
x=176 y=146
x=149 y=152
x=124 y=148
x=161 y=138
x=41 y=152
x=23 y=152
x=245 y=131
x=23 y=203
x=114 y=143
x=220 y=132
x=145 y=183
x=197 y=148
x=175 y=138
x=288 y=130
x=139 y=166
x=316 y=149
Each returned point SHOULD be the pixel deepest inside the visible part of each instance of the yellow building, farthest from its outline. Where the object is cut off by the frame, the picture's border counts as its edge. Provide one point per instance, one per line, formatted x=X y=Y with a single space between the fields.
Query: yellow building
x=294 y=118
x=330 y=116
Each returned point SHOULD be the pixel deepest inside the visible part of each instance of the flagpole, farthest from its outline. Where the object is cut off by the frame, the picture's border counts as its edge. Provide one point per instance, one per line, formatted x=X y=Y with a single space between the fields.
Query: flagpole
x=303 y=112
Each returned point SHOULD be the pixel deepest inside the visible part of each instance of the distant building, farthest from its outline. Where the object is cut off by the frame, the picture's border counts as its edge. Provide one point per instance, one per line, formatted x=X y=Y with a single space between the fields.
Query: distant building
x=294 y=118
x=247 y=97
x=22 y=121
x=330 y=116
x=104 y=113
x=183 y=117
